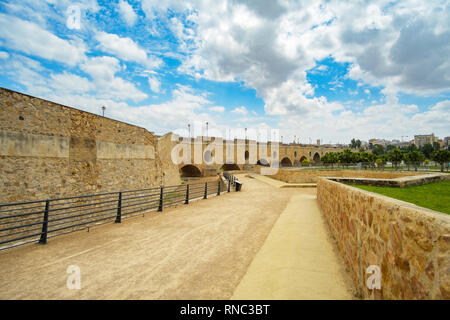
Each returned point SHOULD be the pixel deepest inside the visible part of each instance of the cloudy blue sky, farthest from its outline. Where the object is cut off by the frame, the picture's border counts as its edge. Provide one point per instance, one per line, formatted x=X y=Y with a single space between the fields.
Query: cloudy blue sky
x=328 y=70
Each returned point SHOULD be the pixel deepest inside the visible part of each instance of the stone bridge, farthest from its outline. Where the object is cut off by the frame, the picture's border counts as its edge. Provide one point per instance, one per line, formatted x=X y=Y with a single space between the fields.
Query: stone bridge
x=205 y=156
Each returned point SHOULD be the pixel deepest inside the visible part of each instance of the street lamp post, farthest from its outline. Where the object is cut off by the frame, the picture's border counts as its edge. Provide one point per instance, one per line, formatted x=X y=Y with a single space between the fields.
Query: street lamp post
x=103 y=111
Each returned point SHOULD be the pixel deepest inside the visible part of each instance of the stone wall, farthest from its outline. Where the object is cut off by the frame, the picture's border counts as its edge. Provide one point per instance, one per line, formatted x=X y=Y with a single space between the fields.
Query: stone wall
x=397 y=182
x=311 y=176
x=171 y=175
x=48 y=150
x=411 y=245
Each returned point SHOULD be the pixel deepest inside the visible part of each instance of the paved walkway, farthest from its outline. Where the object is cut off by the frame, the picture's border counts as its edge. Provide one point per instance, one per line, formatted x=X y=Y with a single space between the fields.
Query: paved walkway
x=297 y=260
x=280 y=184
x=198 y=251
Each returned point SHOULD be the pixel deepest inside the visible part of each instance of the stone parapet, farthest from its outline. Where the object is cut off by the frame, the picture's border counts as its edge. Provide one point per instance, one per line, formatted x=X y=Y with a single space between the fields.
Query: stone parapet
x=397 y=182
x=311 y=176
x=410 y=244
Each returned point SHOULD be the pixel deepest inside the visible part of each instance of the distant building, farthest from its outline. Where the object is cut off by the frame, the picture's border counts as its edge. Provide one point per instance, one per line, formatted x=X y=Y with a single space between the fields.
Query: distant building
x=447 y=141
x=421 y=140
x=381 y=142
x=402 y=144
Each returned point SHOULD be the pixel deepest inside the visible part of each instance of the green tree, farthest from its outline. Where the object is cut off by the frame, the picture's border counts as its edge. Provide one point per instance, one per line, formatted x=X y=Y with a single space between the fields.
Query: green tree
x=395 y=156
x=381 y=160
x=326 y=159
x=409 y=148
x=415 y=158
x=365 y=158
x=436 y=146
x=427 y=149
x=371 y=159
x=330 y=158
x=378 y=149
x=346 y=157
x=406 y=159
x=441 y=156
x=305 y=162
x=390 y=147
x=355 y=144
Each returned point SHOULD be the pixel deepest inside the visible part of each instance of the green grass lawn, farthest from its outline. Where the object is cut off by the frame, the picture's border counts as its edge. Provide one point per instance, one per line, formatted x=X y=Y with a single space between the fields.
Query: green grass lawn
x=435 y=196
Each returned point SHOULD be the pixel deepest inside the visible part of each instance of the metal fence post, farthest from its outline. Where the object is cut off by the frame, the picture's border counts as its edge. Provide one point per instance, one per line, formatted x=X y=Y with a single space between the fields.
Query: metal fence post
x=160 y=207
x=218 y=189
x=229 y=185
x=206 y=191
x=187 y=195
x=119 y=209
x=43 y=239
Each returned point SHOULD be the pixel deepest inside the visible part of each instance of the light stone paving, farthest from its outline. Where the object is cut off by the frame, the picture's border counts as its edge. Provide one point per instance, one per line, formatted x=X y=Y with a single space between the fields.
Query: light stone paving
x=198 y=251
x=297 y=260
x=280 y=184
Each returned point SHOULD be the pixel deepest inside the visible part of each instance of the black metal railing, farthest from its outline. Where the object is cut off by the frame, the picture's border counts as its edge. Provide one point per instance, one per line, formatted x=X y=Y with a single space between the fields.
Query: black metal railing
x=232 y=180
x=37 y=221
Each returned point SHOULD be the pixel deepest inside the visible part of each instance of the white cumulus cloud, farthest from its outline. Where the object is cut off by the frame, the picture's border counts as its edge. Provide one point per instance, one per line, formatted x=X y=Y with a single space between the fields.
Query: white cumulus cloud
x=128 y=13
x=126 y=49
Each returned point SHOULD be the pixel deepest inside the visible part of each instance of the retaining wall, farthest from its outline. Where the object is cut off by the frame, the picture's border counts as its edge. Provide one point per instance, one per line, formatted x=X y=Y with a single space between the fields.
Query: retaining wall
x=48 y=150
x=410 y=244
x=397 y=182
x=299 y=176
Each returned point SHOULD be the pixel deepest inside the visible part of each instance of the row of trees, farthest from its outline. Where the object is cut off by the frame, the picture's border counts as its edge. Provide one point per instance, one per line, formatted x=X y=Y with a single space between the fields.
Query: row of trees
x=412 y=158
x=426 y=149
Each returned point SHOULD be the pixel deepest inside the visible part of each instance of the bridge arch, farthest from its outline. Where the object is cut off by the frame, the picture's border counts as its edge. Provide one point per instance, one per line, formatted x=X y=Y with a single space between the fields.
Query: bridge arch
x=286 y=162
x=230 y=167
x=190 y=170
x=316 y=157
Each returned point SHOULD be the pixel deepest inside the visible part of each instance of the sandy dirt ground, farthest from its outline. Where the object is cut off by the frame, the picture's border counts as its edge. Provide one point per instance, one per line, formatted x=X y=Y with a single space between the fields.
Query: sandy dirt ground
x=196 y=251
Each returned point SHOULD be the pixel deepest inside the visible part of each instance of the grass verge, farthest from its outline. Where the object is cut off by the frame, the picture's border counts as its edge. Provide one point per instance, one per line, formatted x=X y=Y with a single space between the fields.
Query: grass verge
x=435 y=196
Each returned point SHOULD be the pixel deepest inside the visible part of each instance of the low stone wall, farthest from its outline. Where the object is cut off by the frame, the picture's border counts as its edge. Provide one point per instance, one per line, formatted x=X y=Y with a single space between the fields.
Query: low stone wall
x=398 y=182
x=410 y=245
x=299 y=176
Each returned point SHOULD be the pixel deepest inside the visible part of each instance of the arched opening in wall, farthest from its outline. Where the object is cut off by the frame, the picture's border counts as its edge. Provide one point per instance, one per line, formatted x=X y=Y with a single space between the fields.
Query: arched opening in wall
x=316 y=157
x=246 y=155
x=208 y=157
x=286 y=162
x=263 y=162
x=190 y=171
x=230 y=167
x=302 y=158
x=295 y=154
